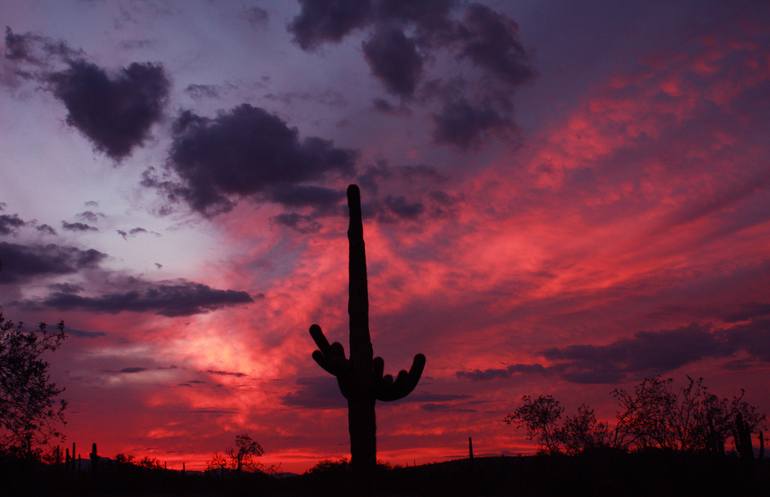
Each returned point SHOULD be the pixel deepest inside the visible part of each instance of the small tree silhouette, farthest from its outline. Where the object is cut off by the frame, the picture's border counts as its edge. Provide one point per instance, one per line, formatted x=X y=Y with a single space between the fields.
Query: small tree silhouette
x=360 y=377
x=540 y=417
x=29 y=410
x=244 y=453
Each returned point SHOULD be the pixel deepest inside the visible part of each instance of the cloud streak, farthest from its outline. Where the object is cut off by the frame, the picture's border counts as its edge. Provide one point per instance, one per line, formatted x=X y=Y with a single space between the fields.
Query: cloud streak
x=166 y=298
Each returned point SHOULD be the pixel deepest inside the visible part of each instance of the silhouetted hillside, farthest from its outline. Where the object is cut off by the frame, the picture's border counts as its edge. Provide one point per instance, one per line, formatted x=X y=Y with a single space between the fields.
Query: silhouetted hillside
x=607 y=473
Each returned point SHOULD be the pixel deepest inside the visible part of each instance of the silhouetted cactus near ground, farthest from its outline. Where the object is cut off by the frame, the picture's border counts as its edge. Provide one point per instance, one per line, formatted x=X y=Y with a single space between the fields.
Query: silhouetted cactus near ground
x=94 y=457
x=360 y=377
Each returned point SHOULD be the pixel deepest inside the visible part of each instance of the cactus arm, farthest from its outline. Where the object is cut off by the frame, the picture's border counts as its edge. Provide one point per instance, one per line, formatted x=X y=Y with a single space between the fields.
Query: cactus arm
x=330 y=357
x=319 y=338
x=378 y=367
x=389 y=390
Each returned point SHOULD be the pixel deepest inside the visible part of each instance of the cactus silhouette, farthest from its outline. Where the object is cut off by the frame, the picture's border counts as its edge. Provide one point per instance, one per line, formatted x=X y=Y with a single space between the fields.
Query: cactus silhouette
x=360 y=377
x=94 y=457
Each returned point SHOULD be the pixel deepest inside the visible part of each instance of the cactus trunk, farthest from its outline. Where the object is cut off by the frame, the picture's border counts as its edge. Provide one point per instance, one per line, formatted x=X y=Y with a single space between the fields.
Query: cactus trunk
x=362 y=426
x=362 y=423
x=360 y=377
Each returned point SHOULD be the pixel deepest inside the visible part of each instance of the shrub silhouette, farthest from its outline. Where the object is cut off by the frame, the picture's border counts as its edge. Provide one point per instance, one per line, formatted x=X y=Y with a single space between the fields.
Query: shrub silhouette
x=360 y=377
x=653 y=416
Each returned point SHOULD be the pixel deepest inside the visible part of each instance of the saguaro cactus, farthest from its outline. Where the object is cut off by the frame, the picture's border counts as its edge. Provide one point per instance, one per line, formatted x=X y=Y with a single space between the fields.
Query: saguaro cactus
x=360 y=377
x=94 y=457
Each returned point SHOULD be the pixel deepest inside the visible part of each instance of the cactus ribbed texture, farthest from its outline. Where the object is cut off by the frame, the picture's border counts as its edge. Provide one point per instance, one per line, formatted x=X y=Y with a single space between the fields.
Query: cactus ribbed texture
x=360 y=377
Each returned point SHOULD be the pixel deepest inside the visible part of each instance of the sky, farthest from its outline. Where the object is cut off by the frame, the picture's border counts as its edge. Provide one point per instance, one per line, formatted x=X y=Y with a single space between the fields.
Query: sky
x=559 y=198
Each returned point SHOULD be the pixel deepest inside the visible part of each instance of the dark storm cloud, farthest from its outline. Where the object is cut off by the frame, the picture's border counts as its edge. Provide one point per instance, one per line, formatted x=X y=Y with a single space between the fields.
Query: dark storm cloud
x=246 y=152
x=394 y=59
x=645 y=353
x=76 y=226
x=167 y=298
x=10 y=223
x=328 y=21
x=115 y=112
x=25 y=261
x=487 y=39
x=464 y=124
x=490 y=40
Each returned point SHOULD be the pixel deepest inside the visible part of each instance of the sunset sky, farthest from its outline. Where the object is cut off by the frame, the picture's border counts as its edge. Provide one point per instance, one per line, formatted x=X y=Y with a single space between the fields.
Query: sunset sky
x=560 y=197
